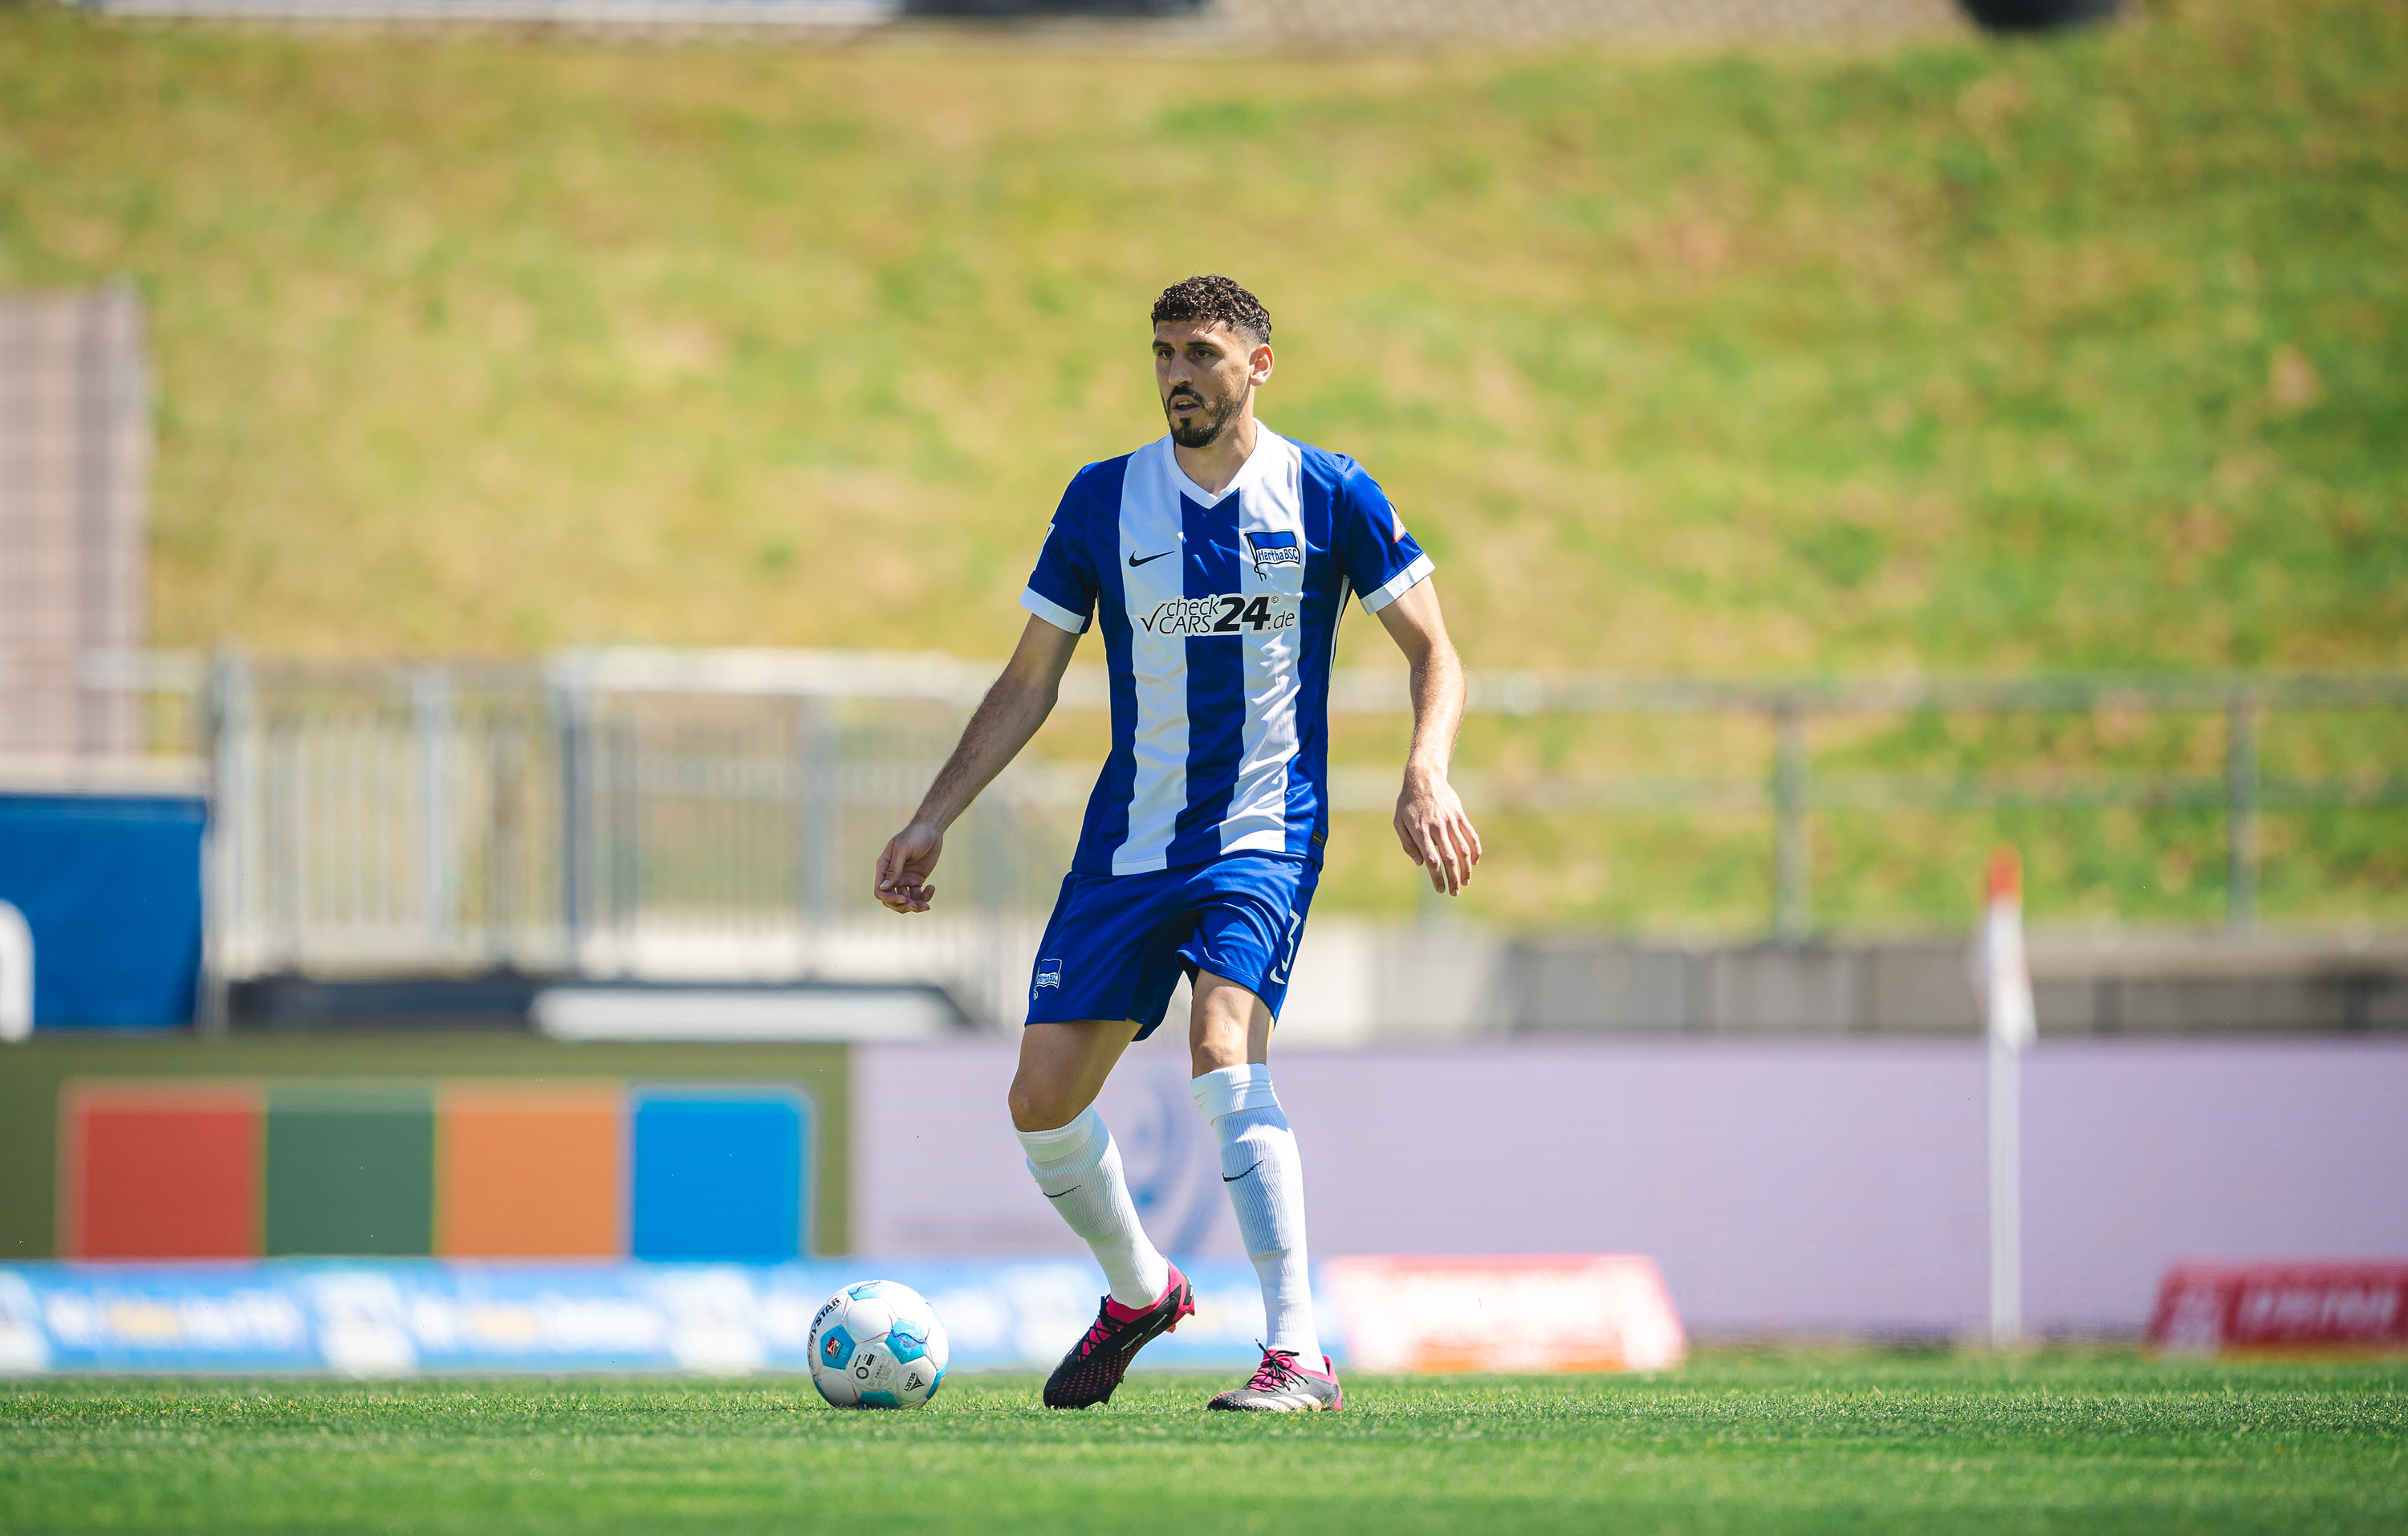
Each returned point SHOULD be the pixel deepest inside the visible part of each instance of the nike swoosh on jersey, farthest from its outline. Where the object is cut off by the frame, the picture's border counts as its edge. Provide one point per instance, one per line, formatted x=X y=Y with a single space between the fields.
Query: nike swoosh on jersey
x=1135 y=562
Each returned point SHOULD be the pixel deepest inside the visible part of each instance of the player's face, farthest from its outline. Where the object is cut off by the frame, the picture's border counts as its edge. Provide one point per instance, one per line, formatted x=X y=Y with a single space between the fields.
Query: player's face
x=1204 y=374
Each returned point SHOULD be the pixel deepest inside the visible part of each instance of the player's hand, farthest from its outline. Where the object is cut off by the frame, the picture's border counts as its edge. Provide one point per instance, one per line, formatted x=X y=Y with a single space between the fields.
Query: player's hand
x=1435 y=833
x=903 y=869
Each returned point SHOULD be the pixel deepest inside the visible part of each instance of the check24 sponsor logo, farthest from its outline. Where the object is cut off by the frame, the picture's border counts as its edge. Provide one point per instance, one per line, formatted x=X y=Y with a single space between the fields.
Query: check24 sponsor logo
x=1223 y=613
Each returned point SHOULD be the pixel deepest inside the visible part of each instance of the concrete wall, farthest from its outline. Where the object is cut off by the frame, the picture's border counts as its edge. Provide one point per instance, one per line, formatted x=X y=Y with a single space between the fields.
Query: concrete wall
x=75 y=455
x=1815 y=1187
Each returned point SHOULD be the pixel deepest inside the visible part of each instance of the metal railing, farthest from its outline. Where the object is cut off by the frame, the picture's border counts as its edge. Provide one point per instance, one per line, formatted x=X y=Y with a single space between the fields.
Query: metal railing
x=603 y=813
x=1795 y=791
x=713 y=814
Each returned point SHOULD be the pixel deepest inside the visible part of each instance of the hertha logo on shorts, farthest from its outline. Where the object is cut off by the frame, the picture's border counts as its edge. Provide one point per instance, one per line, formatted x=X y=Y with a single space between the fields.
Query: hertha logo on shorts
x=1049 y=973
x=1273 y=549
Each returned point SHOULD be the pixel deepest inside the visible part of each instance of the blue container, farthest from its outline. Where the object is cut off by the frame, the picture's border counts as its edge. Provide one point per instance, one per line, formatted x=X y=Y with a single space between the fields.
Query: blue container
x=719 y=1173
x=110 y=885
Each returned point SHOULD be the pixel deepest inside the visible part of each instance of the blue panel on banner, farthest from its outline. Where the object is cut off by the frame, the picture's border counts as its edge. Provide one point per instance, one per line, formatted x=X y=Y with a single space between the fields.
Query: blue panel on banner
x=718 y=1174
x=110 y=886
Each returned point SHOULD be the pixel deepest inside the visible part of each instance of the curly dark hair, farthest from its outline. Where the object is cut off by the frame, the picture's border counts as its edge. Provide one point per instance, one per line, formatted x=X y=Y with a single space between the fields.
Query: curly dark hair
x=1213 y=299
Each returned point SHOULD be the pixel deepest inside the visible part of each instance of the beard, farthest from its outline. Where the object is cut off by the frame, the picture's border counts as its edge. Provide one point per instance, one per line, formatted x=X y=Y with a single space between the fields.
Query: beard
x=1205 y=427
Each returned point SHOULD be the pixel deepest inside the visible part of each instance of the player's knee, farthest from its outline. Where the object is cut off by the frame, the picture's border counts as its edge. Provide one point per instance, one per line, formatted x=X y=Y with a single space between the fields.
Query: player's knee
x=1212 y=1054
x=1039 y=1107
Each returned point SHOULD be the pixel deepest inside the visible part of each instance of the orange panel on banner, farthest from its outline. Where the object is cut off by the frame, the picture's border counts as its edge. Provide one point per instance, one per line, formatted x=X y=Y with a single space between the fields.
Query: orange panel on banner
x=165 y=1170
x=1556 y=1311
x=531 y=1172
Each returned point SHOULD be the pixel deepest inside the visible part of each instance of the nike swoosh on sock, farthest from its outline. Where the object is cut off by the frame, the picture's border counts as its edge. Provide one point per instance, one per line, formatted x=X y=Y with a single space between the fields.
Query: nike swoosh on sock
x=1233 y=1178
x=1072 y=1190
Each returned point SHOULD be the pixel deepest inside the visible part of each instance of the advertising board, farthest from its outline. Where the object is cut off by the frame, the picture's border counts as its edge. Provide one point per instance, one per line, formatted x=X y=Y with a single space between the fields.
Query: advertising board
x=398 y=1317
x=2217 y=1309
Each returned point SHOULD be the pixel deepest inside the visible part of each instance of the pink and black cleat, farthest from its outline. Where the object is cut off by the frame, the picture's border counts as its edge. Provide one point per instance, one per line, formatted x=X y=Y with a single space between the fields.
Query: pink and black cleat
x=1280 y=1385
x=1097 y=1362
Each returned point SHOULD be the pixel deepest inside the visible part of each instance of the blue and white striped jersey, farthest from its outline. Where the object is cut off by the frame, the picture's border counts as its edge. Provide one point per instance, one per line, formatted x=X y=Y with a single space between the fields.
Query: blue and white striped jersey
x=1220 y=617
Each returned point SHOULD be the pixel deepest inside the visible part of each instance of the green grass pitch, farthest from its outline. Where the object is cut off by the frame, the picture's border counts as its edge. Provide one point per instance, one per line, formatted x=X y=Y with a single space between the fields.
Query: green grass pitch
x=1732 y=1443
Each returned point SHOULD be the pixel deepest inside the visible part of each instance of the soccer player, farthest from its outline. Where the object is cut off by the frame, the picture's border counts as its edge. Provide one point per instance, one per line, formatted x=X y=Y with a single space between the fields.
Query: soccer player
x=1218 y=562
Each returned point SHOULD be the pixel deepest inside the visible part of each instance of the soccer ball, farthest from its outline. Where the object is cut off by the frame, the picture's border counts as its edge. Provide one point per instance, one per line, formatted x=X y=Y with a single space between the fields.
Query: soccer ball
x=877 y=1344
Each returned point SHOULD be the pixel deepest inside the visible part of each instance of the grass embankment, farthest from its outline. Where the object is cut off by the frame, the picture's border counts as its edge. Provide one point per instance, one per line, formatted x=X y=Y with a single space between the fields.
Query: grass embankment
x=2084 y=353
x=1856 y=1444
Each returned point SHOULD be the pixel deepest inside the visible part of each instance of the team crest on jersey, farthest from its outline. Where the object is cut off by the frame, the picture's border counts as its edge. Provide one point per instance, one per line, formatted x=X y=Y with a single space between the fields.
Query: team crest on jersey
x=1273 y=547
x=1049 y=973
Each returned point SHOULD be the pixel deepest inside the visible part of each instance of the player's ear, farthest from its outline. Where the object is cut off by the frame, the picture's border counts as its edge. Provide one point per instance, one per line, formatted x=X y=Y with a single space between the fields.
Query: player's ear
x=1259 y=367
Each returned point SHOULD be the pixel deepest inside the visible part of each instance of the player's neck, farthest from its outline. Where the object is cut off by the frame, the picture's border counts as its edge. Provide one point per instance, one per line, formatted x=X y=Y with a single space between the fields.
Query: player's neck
x=1214 y=465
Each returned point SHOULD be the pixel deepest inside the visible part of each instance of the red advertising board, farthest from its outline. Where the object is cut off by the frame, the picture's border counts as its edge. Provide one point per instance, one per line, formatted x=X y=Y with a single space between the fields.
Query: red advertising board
x=2213 y=1309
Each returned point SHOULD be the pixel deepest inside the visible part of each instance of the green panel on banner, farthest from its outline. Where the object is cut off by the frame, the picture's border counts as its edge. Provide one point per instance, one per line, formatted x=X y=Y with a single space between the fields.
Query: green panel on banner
x=350 y=1168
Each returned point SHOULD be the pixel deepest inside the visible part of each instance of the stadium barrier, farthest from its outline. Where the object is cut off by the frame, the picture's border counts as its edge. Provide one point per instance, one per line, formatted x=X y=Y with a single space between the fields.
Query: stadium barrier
x=2222 y=1309
x=706 y=815
x=1785 y=1188
x=401 y=1317
x=1813 y=1189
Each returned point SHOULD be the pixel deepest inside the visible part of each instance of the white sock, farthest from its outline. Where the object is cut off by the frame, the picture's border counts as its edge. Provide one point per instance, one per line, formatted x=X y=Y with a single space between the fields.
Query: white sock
x=1079 y=1168
x=1265 y=1177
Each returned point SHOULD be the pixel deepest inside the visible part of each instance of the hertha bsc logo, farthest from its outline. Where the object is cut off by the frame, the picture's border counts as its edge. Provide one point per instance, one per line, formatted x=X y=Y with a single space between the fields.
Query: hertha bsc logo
x=1049 y=973
x=1273 y=549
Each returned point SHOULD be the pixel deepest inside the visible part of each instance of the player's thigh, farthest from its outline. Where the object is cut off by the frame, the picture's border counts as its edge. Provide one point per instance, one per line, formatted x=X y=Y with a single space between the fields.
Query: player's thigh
x=1228 y=1026
x=1248 y=915
x=1062 y=1069
x=1111 y=951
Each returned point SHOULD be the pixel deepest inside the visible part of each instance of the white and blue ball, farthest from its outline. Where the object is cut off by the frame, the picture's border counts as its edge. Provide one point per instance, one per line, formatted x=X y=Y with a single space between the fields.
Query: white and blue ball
x=877 y=1344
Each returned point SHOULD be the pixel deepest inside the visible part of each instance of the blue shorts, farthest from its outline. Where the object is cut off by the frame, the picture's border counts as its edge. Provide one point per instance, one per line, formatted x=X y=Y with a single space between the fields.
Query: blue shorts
x=1117 y=944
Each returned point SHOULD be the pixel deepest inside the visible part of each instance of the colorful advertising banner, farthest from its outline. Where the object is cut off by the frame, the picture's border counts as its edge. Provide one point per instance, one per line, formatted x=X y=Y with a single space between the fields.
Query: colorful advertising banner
x=396 y=1318
x=453 y=1168
x=388 y=1317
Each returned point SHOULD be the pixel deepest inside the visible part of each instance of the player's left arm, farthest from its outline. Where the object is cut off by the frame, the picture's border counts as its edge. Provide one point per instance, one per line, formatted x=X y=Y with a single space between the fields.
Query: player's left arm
x=1430 y=822
x=1004 y=720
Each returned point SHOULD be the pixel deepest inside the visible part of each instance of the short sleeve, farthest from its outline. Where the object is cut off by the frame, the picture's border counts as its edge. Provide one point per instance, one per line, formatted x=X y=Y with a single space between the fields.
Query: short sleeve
x=1382 y=562
x=1062 y=588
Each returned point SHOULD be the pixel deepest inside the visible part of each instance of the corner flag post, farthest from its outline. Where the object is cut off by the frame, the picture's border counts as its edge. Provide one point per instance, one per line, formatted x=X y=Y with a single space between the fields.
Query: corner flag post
x=2006 y=991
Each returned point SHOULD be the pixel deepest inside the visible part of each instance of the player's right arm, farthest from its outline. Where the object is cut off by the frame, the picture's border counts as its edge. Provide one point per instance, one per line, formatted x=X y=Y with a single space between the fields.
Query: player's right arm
x=1009 y=714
